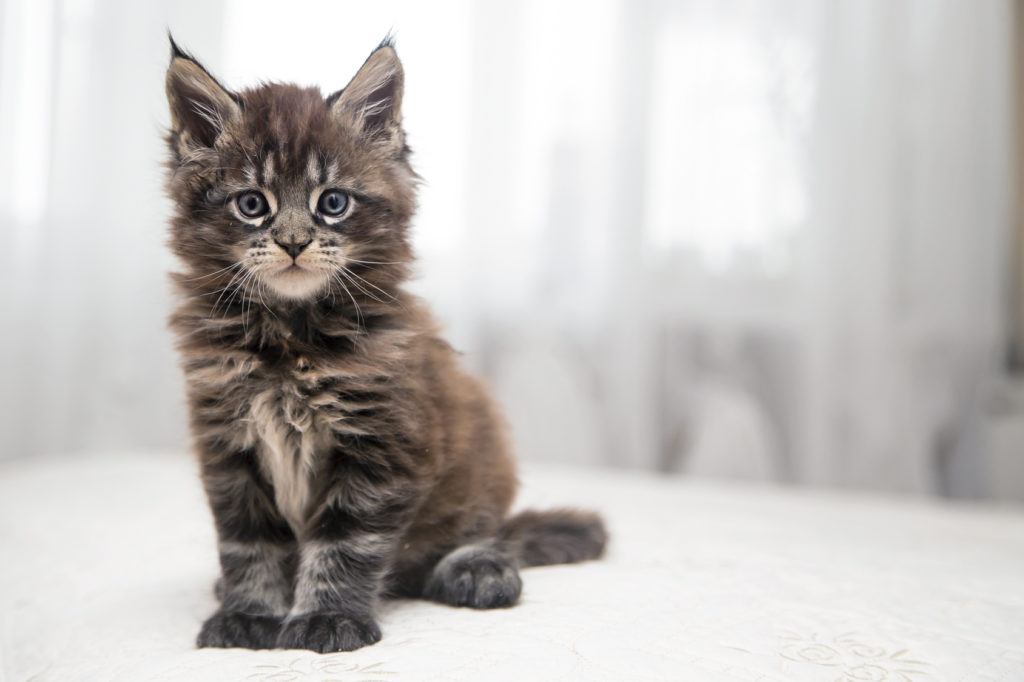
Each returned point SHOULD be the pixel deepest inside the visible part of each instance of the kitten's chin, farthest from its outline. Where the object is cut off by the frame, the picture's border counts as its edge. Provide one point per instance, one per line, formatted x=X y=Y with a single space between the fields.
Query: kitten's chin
x=295 y=284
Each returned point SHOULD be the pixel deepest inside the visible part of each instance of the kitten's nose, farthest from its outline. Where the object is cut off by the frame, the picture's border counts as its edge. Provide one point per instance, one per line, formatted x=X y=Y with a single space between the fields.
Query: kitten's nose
x=293 y=249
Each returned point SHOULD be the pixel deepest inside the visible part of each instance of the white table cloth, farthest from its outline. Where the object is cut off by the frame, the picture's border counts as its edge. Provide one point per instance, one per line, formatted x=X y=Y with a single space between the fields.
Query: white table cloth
x=107 y=563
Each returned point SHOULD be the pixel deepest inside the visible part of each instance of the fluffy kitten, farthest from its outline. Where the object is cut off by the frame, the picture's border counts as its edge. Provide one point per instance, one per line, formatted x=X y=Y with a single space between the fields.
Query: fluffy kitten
x=344 y=453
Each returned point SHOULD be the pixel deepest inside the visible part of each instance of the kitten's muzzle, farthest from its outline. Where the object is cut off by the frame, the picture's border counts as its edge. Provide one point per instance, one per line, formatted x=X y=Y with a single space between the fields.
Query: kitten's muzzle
x=293 y=248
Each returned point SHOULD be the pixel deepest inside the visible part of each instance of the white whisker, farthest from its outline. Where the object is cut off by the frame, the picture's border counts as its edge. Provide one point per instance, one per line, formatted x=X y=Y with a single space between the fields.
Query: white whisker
x=372 y=262
x=359 y=314
x=213 y=311
x=344 y=273
x=368 y=283
x=259 y=289
x=217 y=272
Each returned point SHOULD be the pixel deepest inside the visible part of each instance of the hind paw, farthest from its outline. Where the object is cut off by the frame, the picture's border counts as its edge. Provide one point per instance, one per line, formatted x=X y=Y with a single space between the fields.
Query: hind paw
x=478 y=576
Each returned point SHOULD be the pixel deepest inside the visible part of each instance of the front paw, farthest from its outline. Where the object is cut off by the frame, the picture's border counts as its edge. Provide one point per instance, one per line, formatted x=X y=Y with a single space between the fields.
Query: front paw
x=226 y=629
x=326 y=632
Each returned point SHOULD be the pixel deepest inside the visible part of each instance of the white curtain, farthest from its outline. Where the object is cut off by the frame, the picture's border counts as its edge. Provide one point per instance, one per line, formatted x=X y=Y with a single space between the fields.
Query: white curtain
x=913 y=160
x=755 y=239
x=86 y=360
x=759 y=239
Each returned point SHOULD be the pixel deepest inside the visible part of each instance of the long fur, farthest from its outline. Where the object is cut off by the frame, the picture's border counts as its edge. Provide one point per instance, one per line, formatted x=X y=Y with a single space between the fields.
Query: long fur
x=345 y=454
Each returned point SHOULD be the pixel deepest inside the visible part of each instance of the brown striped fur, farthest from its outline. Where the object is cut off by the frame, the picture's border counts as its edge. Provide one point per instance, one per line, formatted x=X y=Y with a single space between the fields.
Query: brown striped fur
x=345 y=454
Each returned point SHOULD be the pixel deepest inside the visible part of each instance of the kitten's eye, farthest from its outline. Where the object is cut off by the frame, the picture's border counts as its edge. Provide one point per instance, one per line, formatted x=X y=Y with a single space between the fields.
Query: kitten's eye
x=252 y=204
x=332 y=203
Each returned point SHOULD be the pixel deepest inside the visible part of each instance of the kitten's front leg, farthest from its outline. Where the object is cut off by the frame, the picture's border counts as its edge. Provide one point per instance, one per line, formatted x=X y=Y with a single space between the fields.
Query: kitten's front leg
x=257 y=557
x=341 y=567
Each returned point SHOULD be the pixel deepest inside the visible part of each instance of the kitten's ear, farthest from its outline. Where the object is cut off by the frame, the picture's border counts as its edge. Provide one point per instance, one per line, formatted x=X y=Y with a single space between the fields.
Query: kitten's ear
x=200 y=106
x=372 y=101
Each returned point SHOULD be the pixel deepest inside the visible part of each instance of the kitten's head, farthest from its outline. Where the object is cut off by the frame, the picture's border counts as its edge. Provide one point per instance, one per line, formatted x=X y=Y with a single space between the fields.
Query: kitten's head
x=286 y=193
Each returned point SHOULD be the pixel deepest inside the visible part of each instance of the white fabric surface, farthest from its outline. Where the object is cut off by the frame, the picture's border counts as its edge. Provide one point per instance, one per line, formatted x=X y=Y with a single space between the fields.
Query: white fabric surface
x=107 y=564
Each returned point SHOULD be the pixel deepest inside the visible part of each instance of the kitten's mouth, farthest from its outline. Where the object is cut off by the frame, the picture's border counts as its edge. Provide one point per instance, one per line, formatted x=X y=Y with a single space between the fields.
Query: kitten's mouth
x=295 y=282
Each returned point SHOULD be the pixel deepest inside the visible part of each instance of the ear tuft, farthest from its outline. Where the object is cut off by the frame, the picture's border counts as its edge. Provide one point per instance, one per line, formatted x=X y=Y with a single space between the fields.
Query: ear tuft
x=176 y=51
x=372 y=101
x=388 y=41
x=201 y=108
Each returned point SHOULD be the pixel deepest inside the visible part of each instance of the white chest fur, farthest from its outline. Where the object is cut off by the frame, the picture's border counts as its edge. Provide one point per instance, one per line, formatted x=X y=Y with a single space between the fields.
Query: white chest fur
x=288 y=437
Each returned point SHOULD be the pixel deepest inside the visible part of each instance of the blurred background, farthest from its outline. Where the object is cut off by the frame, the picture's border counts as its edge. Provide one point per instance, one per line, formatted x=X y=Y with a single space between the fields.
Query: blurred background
x=764 y=239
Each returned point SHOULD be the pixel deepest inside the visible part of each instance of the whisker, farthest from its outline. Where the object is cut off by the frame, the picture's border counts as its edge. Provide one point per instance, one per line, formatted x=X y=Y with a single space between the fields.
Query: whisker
x=328 y=291
x=359 y=315
x=217 y=272
x=354 y=283
x=247 y=300
x=227 y=286
x=259 y=289
x=239 y=290
x=373 y=262
x=369 y=283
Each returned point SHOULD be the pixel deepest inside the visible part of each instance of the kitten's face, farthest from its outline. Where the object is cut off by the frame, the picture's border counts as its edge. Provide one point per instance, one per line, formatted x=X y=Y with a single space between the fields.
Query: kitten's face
x=292 y=229
x=292 y=194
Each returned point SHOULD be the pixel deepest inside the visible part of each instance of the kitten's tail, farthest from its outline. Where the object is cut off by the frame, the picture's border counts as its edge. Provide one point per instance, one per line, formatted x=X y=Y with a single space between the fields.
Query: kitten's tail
x=556 y=536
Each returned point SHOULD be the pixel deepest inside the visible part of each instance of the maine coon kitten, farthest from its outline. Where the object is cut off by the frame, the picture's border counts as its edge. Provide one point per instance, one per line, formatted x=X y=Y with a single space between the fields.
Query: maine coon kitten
x=344 y=453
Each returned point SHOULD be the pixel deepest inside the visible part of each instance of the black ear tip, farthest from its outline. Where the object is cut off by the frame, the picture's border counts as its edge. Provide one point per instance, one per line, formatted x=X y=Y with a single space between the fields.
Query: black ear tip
x=176 y=51
x=389 y=40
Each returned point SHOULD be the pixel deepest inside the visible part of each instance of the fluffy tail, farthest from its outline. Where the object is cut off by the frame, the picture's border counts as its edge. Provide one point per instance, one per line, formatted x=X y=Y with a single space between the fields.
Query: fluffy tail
x=556 y=536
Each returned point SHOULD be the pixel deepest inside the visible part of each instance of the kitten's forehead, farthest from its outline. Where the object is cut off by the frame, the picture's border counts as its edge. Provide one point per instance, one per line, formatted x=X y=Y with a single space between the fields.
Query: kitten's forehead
x=289 y=140
x=291 y=133
x=285 y=109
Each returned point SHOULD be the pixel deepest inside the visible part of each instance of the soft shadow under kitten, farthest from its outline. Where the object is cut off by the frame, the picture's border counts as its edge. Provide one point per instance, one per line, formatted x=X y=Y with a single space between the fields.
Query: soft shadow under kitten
x=345 y=454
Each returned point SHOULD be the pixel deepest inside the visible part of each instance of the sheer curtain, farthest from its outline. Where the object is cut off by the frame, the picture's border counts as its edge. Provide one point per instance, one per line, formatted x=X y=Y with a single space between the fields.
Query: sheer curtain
x=913 y=164
x=86 y=360
x=759 y=239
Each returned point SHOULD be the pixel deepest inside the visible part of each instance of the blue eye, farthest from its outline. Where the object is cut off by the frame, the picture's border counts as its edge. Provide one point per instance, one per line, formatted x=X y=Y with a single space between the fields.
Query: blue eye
x=332 y=203
x=252 y=204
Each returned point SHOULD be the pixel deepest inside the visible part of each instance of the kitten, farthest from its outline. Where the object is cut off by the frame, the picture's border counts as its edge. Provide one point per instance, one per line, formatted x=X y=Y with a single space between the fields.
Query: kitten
x=344 y=453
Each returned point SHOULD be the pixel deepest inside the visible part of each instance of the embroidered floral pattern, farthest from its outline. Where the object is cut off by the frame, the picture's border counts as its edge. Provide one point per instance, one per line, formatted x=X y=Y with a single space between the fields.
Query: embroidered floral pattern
x=327 y=668
x=854 y=658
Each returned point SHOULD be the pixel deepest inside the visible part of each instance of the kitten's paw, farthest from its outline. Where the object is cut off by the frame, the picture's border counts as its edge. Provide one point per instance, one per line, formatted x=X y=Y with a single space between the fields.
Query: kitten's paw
x=326 y=632
x=226 y=629
x=479 y=576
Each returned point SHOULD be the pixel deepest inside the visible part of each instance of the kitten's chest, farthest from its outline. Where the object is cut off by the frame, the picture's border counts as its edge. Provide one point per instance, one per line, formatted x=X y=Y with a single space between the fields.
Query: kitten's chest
x=291 y=435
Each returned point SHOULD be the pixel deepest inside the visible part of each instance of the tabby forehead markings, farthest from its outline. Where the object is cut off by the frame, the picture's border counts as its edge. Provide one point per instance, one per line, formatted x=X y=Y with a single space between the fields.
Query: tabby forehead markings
x=345 y=454
x=251 y=173
x=267 y=171
x=314 y=168
x=332 y=173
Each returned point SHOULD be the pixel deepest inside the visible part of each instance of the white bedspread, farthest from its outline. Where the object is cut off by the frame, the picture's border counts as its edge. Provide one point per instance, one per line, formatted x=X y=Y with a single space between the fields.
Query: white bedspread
x=107 y=563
